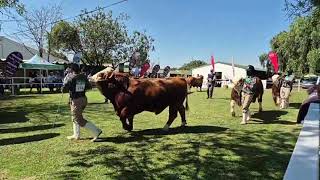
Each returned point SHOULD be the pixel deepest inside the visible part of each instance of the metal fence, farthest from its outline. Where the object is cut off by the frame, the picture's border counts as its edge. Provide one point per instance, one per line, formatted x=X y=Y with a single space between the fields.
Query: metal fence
x=14 y=84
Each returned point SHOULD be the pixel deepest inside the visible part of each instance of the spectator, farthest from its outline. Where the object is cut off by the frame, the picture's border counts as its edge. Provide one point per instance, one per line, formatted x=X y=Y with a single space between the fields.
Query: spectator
x=2 y=81
x=50 y=80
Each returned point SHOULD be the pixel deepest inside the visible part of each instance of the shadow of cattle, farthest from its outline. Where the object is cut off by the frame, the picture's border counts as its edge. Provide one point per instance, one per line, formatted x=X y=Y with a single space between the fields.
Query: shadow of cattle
x=295 y=105
x=195 y=157
x=182 y=130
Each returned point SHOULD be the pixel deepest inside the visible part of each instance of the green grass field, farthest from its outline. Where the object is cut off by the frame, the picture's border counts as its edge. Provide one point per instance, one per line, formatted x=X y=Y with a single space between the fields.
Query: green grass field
x=213 y=146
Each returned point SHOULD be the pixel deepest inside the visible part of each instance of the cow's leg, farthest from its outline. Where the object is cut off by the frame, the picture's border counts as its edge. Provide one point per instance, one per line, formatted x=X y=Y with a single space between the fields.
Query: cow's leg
x=173 y=113
x=125 y=119
x=182 y=112
x=232 y=104
x=260 y=102
x=130 y=122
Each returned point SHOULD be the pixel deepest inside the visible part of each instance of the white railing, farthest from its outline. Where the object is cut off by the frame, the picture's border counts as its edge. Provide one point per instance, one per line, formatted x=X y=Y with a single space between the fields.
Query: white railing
x=10 y=82
x=304 y=161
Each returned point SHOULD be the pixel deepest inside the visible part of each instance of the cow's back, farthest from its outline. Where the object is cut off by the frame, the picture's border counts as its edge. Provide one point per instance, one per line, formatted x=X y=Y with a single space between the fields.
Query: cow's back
x=156 y=94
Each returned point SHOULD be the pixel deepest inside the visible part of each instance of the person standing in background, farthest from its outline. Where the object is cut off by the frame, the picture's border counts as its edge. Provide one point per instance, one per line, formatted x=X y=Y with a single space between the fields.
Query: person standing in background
x=211 y=83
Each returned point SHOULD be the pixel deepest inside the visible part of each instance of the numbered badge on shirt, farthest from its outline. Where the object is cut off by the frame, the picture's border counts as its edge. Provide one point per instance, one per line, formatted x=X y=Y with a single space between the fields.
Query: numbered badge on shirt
x=80 y=86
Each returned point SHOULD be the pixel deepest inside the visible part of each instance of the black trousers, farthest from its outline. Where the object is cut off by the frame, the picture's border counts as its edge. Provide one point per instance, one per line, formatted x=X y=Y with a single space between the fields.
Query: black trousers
x=210 y=91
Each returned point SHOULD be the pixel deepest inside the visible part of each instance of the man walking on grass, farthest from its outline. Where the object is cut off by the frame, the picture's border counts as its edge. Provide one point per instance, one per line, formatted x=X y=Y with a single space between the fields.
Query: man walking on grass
x=77 y=84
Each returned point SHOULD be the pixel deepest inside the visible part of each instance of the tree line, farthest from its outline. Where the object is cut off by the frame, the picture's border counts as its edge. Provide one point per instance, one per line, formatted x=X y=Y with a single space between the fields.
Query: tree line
x=298 y=49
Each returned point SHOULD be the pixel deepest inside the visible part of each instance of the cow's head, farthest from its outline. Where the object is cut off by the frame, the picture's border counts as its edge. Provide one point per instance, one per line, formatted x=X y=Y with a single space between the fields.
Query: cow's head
x=238 y=84
x=110 y=82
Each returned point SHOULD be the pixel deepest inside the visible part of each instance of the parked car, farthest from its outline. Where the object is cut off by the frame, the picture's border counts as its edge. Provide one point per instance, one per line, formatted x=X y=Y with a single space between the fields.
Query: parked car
x=309 y=81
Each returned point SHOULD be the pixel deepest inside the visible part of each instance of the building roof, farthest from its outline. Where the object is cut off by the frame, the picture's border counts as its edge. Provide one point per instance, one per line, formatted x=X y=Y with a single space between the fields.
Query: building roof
x=33 y=51
x=230 y=64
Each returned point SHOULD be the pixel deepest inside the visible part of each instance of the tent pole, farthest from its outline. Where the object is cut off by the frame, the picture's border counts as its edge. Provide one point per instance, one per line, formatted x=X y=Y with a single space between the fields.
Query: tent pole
x=41 y=81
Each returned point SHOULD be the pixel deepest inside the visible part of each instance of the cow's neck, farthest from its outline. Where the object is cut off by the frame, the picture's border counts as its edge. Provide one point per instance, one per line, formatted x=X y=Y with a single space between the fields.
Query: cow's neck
x=112 y=95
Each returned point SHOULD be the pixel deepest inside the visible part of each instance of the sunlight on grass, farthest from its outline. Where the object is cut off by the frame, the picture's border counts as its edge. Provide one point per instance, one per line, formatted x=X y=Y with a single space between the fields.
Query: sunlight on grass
x=214 y=146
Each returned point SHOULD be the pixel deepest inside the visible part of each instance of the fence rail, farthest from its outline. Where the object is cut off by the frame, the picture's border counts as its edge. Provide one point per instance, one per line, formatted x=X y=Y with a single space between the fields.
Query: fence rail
x=304 y=161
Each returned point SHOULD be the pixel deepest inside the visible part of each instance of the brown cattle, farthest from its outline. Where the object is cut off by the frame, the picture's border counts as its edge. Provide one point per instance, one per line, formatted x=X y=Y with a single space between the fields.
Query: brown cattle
x=195 y=82
x=132 y=96
x=236 y=94
x=276 y=86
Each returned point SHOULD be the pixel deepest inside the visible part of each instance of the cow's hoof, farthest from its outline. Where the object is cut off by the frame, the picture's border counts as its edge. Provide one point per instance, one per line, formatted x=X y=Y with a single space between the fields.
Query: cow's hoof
x=130 y=128
x=166 y=127
x=233 y=114
x=260 y=110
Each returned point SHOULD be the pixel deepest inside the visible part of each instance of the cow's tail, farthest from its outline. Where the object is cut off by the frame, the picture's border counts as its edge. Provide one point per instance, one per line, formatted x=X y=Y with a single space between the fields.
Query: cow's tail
x=187 y=105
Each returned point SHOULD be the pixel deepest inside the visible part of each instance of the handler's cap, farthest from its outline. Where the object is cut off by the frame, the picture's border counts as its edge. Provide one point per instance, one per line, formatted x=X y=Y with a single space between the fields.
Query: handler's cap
x=75 y=68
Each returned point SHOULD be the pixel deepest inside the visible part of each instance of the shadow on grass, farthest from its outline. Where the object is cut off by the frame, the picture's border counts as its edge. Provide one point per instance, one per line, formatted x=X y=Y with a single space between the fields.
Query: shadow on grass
x=121 y=139
x=31 y=128
x=271 y=117
x=295 y=105
x=5 y=98
x=12 y=116
x=244 y=156
x=182 y=130
x=97 y=103
x=67 y=175
x=27 y=139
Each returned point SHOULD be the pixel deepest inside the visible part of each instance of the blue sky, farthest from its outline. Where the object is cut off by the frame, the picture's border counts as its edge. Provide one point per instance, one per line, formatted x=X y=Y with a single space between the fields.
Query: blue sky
x=186 y=29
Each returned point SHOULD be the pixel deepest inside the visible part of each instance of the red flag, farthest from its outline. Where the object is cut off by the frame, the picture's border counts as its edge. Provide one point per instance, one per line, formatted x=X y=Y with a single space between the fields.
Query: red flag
x=212 y=62
x=144 y=69
x=274 y=60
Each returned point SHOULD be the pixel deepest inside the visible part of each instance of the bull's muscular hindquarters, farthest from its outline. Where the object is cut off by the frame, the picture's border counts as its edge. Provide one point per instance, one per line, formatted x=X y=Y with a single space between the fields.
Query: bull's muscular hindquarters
x=132 y=96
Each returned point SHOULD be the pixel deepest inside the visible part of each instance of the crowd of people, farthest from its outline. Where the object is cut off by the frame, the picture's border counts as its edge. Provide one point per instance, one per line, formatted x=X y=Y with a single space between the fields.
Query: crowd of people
x=52 y=80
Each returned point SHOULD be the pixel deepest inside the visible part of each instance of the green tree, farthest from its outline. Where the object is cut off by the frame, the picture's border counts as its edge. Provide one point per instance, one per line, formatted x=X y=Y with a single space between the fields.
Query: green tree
x=264 y=58
x=300 y=7
x=297 y=48
x=313 y=59
x=102 y=38
x=65 y=37
x=7 y=5
x=193 y=64
x=142 y=43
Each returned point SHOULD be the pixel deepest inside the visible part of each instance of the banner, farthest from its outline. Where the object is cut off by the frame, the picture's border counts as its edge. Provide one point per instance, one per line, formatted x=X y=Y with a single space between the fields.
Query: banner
x=155 y=70
x=212 y=62
x=166 y=71
x=144 y=68
x=274 y=60
x=13 y=61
